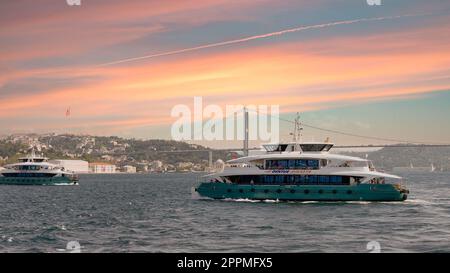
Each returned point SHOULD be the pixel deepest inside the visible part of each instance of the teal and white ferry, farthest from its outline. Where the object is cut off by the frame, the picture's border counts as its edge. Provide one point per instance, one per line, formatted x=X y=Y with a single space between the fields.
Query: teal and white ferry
x=36 y=170
x=302 y=171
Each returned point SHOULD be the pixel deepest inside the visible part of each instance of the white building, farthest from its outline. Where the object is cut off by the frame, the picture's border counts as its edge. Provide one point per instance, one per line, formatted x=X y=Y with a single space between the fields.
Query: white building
x=99 y=167
x=156 y=166
x=129 y=169
x=77 y=166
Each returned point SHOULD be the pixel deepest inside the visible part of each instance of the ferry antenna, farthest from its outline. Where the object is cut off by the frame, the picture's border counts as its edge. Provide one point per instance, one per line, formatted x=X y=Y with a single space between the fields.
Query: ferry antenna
x=297 y=134
x=360 y=136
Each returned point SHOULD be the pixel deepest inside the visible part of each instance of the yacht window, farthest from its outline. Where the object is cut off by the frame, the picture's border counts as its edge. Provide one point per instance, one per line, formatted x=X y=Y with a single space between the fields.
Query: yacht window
x=335 y=179
x=345 y=164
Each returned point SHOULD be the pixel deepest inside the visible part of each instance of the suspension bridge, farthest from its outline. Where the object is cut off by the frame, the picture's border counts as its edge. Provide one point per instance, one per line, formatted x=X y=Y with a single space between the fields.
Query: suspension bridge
x=398 y=143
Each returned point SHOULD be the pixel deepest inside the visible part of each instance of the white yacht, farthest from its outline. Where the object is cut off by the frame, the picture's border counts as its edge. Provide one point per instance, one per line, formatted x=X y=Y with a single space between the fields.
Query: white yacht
x=36 y=170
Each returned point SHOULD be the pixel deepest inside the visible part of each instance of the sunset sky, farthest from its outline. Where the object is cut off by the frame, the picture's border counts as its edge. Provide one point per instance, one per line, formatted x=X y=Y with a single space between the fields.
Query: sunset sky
x=388 y=77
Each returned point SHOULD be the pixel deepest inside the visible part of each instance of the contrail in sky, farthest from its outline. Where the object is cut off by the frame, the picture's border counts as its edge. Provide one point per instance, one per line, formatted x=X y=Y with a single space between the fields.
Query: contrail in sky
x=256 y=37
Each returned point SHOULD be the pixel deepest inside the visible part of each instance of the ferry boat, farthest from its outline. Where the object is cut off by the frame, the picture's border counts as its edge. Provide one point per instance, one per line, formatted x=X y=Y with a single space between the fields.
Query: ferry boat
x=36 y=170
x=301 y=171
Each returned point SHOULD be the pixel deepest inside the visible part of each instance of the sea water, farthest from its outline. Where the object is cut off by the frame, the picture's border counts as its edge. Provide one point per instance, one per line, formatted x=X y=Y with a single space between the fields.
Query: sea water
x=159 y=213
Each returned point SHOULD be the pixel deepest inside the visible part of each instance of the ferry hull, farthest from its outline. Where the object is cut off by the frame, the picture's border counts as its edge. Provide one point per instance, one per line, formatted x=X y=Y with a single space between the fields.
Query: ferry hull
x=362 y=192
x=60 y=180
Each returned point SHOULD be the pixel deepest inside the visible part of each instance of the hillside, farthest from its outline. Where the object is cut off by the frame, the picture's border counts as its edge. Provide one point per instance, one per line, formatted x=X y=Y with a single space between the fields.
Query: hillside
x=388 y=158
x=112 y=149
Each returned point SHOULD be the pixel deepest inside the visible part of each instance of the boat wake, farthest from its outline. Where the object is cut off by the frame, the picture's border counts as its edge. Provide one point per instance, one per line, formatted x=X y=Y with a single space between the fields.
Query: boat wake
x=419 y=201
x=63 y=184
x=246 y=200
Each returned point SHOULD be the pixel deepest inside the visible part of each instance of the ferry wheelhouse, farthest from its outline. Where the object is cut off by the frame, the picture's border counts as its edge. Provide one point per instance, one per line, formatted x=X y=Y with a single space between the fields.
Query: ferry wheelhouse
x=36 y=170
x=302 y=172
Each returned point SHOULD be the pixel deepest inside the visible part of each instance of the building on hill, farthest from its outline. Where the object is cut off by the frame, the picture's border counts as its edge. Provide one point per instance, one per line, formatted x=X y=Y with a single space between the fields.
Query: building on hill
x=156 y=166
x=77 y=166
x=129 y=169
x=99 y=167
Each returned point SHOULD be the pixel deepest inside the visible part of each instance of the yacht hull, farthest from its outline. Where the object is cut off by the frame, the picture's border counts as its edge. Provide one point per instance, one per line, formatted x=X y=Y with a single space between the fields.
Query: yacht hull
x=361 y=192
x=60 y=180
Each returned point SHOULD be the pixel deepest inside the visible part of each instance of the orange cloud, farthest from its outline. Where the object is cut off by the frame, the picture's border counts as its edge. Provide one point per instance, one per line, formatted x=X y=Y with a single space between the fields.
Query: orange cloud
x=296 y=75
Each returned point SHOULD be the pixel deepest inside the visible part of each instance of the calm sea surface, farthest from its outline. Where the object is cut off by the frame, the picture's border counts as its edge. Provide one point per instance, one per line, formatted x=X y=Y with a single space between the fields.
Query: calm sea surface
x=158 y=213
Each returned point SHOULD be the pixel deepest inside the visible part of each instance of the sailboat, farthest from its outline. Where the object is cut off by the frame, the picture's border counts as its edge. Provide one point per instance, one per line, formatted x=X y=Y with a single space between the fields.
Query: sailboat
x=412 y=169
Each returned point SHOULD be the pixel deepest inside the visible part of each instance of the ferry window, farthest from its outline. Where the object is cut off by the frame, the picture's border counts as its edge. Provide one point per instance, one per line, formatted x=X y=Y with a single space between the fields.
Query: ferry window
x=306 y=179
x=290 y=179
x=303 y=179
x=283 y=164
x=271 y=164
x=279 y=179
x=323 y=179
x=282 y=148
x=269 y=179
x=312 y=147
x=313 y=163
x=292 y=163
x=332 y=179
x=276 y=148
x=327 y=148
x=300 y=163
x=311 y=179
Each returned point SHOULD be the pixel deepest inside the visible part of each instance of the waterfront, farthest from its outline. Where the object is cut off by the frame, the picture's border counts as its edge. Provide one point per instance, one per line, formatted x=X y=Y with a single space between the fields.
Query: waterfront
x=156 y=213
